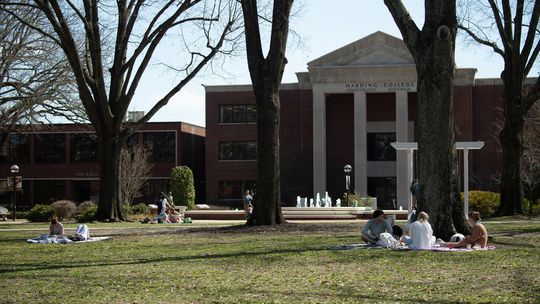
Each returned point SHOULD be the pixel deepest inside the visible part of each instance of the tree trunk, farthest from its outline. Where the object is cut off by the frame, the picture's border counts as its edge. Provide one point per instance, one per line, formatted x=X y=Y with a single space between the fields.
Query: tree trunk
x=433 y=51
x=436 y=166
x=512 y=152
x=266 y=75
x=267 y=209
x=109 y=207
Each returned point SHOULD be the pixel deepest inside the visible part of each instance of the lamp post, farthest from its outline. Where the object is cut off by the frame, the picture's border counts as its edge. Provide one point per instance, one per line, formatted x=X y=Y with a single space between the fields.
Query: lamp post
x=14 y=170
x=347 y=169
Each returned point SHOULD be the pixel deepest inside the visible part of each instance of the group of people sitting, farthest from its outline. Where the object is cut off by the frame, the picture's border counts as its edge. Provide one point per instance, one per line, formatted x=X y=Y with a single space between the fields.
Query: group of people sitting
x=166 y=212
x=419 y=234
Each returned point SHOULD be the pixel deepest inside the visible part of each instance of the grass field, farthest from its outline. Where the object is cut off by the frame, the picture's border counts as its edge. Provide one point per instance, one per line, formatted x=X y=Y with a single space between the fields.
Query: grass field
x=292 y=263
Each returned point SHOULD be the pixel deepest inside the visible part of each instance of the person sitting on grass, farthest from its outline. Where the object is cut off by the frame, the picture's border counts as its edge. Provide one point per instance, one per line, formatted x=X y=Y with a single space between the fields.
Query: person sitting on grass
x=174 y=217
x=56 y=228
x=478 y=236
x=420 y=233
x=374 y=227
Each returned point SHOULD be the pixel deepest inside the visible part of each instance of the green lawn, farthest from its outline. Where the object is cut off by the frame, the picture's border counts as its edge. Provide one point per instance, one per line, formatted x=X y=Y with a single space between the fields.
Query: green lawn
x=286 y=264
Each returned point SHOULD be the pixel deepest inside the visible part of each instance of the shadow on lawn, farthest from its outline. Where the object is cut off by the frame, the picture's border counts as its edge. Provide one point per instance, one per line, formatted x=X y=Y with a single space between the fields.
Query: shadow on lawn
x=346 y=294
x=33 y=266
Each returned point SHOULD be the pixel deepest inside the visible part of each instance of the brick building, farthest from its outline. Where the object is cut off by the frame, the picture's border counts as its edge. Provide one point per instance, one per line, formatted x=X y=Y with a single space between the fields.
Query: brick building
x=61 y=161
x=346 y=109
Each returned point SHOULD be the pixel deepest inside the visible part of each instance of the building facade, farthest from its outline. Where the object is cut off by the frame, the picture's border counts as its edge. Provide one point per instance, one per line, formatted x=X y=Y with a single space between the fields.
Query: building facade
x=346 y=109
x=61 y=161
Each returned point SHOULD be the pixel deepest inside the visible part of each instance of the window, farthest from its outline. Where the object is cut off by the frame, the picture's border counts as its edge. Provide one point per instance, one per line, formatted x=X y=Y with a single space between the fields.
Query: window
x=238 y=150
x=50 y=148
x=84 y=147
x=379 y=148
x=161 y=145
x=384 y=189
x=17 y=149
x=234 y=189
x=47 y=192
x=237 y=113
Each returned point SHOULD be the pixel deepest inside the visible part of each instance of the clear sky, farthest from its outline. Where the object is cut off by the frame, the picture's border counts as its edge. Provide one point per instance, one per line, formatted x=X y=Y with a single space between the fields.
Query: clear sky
x=323 y=27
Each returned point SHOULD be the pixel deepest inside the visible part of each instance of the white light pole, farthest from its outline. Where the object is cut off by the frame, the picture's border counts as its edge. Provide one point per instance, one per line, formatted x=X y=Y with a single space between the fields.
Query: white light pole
x=14 y=170
x=466 y=146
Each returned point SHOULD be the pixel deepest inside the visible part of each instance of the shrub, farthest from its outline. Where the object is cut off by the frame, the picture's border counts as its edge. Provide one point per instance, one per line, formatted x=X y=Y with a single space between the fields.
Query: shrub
x=84 y=206
x=88 y=214
x=182 y=187
x=140 y=209
x=22 y=214
x=355 y=200
x=86 y=211
x=484 y=202
x=64 y=209
x=41 y=213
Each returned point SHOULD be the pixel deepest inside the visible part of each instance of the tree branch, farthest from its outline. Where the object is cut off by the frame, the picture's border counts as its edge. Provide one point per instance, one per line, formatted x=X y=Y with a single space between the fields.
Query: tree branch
x=485 y=42
x=405 y=23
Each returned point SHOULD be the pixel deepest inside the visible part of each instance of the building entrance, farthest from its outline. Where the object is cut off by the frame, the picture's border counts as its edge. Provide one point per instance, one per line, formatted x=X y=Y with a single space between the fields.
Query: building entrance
x=384 y=189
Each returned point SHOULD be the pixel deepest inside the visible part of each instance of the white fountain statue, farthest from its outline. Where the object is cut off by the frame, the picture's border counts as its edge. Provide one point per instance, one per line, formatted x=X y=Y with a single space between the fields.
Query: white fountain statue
x=298 y=203
x=311 y=202
x=338 y=203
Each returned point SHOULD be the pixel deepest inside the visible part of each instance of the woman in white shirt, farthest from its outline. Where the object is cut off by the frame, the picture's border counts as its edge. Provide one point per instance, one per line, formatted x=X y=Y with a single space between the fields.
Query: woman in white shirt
x=421 y=233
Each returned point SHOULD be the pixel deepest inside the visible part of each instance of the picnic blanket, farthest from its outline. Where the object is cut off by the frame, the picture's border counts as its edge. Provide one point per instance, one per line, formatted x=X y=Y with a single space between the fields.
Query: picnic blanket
x=54 y=239
x=403 y=247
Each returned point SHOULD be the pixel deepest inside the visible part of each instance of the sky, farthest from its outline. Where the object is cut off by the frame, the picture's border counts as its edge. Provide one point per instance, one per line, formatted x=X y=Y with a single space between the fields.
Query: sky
x=322 y=28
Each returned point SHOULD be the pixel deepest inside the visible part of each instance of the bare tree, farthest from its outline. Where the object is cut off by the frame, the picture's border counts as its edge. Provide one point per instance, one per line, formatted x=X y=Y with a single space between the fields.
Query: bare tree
x=266 y=74
x=510 y=28
x=433 y=49
x=531 y=154
x=134 y=171
x=121 y=39
x=35 y=80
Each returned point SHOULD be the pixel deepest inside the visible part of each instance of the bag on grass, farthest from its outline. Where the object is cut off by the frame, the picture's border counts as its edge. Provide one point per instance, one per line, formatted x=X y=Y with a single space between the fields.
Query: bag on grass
x=387 y=240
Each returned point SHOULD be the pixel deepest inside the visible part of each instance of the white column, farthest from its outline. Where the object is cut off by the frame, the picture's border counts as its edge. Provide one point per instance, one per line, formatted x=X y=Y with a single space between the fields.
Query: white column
x=360 y=141
x=403 y=176
x=319 y=142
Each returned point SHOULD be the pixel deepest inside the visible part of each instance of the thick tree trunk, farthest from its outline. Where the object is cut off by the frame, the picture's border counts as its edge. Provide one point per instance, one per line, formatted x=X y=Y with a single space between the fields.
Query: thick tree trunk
x=109 y=207
x=512 y=152
x=266 y=75
x=436 y=166
x=267 y=209
x=433 y=51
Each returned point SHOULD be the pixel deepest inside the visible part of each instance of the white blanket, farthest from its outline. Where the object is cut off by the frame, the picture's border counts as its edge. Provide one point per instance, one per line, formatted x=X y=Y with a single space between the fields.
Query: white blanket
x=55 y=239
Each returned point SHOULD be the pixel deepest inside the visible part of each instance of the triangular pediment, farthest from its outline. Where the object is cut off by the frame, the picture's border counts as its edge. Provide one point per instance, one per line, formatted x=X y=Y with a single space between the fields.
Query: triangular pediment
x=377 y=49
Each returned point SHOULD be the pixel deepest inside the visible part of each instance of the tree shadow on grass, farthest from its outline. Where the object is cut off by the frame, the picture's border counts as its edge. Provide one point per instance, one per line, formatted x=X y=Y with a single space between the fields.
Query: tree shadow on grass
x=245 y=254
x=33 y=266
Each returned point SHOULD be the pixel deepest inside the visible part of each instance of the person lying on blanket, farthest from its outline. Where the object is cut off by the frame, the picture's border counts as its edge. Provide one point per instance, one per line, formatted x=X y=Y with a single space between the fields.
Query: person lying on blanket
x=478 y=236
x=374 y=227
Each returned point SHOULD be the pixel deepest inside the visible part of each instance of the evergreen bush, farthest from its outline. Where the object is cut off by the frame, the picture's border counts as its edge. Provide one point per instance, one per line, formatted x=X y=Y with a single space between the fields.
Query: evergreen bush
x=41 y=213
x=182 y=187
x=86 y=212
x=141 y=208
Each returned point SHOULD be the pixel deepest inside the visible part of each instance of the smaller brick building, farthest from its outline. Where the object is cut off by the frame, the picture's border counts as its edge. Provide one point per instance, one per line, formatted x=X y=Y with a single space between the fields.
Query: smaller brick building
x=61 y=161
x=346 y=109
